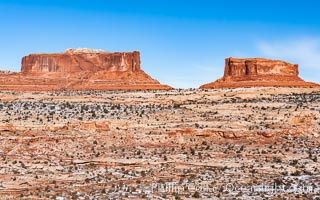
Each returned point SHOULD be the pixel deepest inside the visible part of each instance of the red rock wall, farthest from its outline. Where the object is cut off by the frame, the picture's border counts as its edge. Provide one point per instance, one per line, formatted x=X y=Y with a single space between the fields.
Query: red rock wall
x=235 y=67
x=78 y=62
x=80 y=69
x=254 y=72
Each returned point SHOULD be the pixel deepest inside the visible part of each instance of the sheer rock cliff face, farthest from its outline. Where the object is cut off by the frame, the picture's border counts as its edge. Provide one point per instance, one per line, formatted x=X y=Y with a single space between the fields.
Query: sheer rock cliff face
x=251 y=72
x=81 y=69
x=72 y=61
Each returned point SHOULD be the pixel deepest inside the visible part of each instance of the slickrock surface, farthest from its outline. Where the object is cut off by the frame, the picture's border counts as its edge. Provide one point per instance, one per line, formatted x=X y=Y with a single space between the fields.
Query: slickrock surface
x=80 y=69
x=134 y=145
x=255 y=72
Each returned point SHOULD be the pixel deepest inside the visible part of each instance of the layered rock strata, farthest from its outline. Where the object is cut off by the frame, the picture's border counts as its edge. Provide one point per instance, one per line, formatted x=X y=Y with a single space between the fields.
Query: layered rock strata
x=251 y=72
x=81 y=69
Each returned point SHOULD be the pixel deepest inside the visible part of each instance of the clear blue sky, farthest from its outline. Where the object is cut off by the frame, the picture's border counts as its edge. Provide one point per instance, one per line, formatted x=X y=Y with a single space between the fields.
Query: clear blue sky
x=182 y=43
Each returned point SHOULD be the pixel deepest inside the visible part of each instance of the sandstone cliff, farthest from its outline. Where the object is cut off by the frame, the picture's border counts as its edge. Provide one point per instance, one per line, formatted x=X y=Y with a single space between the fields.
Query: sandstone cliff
x=75 y=60
x=81 y=69
x=250 y=72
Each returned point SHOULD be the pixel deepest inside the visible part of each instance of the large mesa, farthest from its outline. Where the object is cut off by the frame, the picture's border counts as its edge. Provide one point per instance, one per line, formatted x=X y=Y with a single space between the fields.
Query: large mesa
x=81 y=69
x=77 y=60
x=251 y=72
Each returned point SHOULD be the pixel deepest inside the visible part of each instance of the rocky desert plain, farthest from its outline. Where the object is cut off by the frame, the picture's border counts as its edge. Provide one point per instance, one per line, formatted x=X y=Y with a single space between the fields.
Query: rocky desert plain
x=133 y=138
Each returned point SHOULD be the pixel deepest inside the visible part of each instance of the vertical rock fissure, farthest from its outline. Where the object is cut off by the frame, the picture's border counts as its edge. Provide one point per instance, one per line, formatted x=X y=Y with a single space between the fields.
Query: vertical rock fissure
x=247 y=68
x=230 y=68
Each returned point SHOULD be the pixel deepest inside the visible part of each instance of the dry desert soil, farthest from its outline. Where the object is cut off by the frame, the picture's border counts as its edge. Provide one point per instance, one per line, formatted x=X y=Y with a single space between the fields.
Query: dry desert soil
x=246 y=143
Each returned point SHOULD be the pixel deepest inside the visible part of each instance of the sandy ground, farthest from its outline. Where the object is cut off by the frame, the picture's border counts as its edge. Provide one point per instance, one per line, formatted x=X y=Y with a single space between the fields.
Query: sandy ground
x=249 y=143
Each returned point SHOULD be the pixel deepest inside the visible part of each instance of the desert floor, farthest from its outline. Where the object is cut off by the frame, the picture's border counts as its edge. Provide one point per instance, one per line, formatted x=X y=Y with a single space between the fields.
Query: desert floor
x=249 y=143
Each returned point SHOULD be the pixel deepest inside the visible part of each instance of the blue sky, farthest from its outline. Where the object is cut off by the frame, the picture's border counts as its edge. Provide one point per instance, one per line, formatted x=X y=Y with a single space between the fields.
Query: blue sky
x=182 y=43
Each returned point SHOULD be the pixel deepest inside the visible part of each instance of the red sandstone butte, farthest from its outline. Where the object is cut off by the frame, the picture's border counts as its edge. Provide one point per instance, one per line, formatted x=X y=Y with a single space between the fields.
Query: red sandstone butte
x=258 y=72
x=80 y=69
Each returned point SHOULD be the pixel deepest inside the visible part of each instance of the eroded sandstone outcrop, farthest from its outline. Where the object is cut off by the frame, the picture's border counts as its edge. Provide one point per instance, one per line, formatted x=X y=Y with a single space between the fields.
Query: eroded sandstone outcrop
x=81 y=69
x=75 y=60
x=250 y=72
